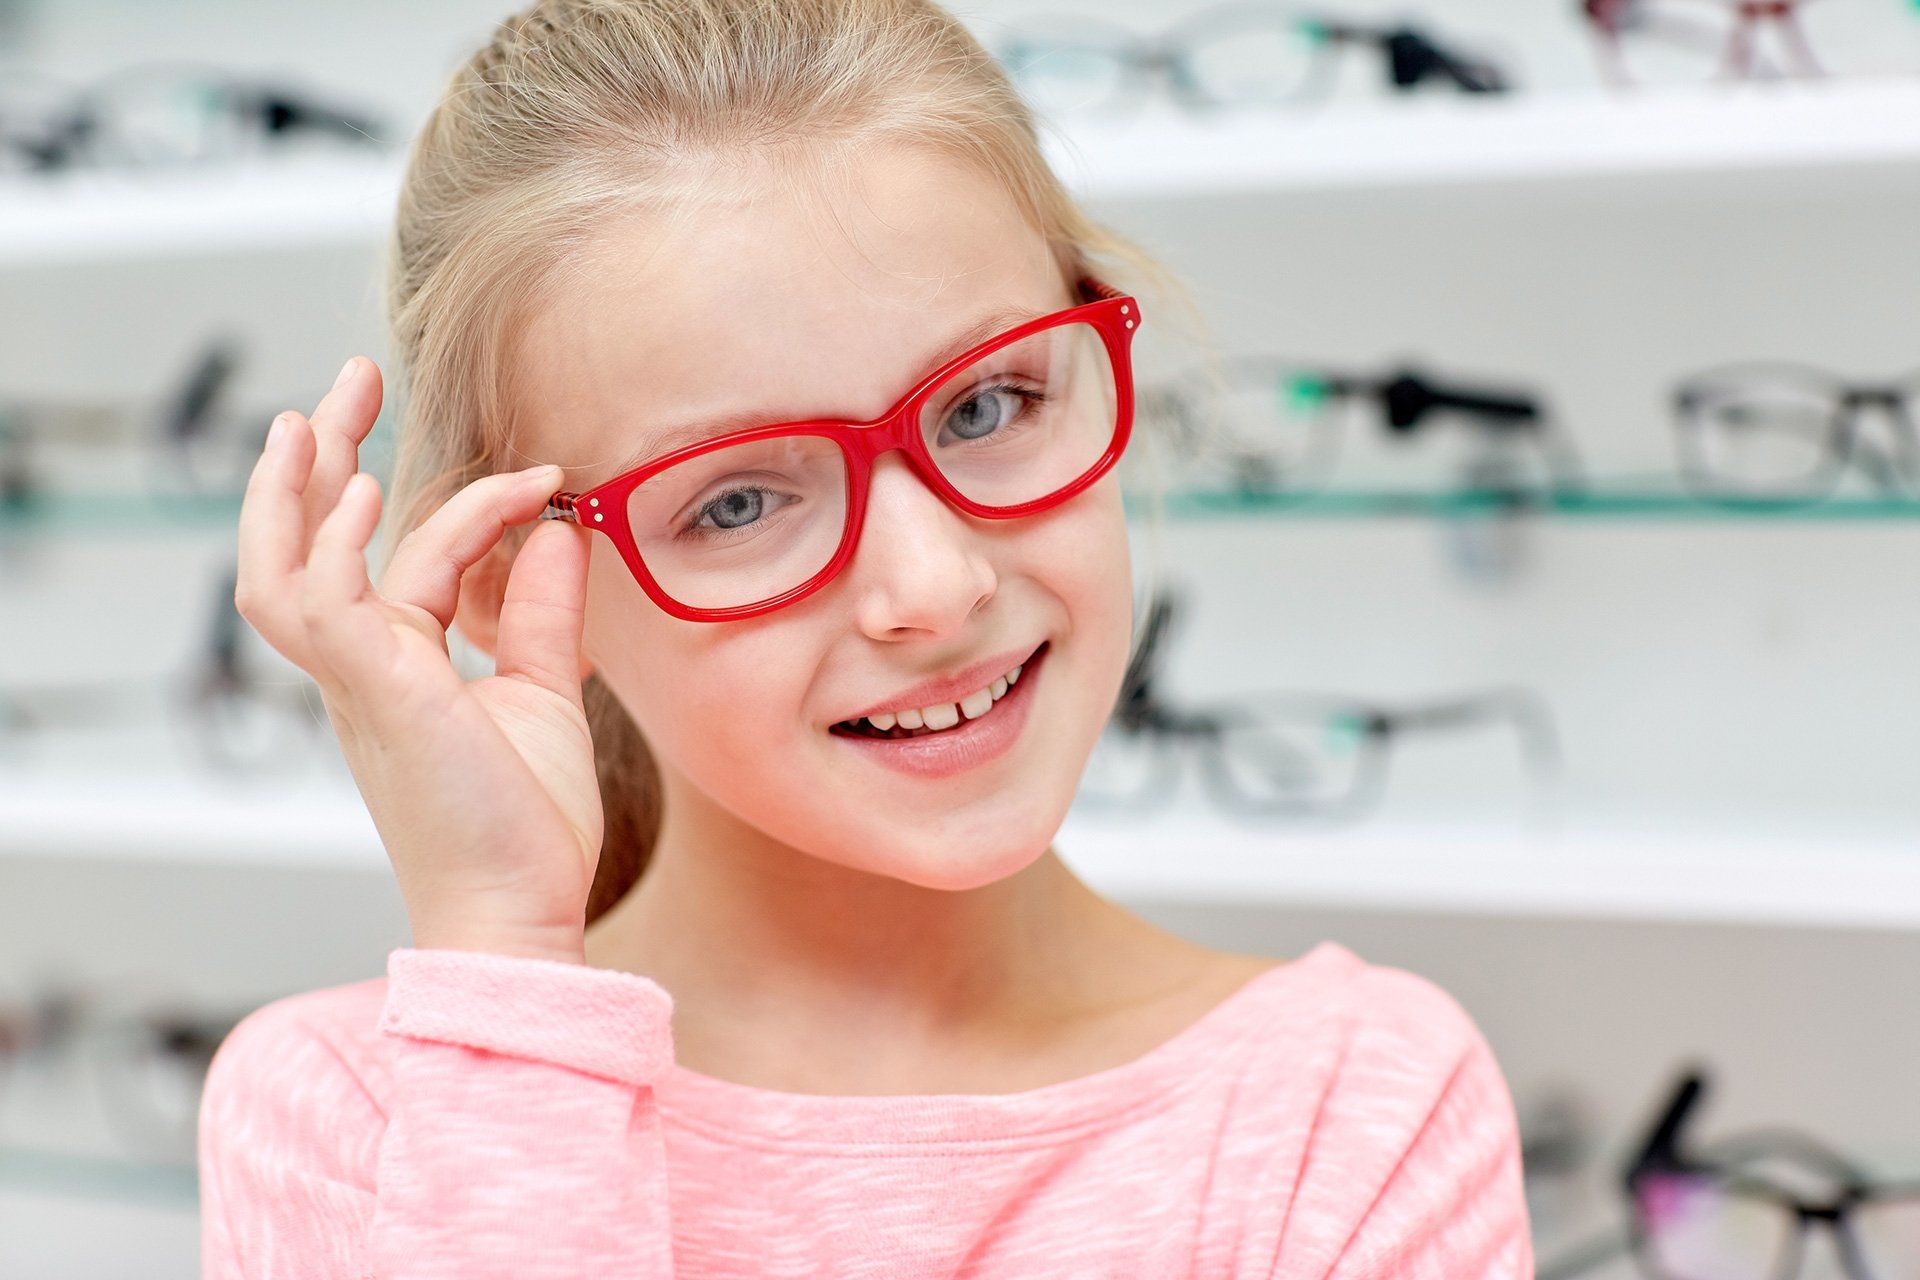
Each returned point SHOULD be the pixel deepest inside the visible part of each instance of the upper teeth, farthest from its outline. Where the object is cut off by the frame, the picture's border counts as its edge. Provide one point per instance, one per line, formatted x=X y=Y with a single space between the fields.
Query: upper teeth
x=945 y=715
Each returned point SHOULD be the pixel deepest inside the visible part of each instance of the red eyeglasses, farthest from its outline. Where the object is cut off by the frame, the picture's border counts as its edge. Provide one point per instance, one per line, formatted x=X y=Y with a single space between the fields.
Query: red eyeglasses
x=748 y=522
x=1696 y=39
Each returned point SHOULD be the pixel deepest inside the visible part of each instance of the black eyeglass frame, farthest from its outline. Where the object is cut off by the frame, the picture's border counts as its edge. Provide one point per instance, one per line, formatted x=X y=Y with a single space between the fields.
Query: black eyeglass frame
x=1181 y=733
x=1412 y=56
x=1409 y=401
x=1666 y=1150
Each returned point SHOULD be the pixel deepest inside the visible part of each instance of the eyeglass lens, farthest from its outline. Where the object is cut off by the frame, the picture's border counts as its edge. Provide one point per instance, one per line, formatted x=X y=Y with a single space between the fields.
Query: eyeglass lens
x=1888 y=1234
x=740 y=525
x=1764 y=434
x=1707 y=1226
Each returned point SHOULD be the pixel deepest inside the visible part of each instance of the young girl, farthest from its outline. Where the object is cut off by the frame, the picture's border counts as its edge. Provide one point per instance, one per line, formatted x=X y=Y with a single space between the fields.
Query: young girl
x=826 y=379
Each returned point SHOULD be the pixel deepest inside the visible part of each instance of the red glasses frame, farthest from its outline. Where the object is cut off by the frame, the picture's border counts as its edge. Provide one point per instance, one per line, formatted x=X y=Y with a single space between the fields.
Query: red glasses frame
x=1611 y=24
x=1114 y=315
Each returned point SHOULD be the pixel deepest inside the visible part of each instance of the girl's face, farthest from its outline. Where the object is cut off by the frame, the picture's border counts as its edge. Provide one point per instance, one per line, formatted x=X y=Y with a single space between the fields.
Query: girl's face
x=784 y=307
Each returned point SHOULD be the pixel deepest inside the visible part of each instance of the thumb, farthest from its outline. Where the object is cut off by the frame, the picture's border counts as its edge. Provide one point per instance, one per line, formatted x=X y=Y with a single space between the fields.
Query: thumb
x=543 y=612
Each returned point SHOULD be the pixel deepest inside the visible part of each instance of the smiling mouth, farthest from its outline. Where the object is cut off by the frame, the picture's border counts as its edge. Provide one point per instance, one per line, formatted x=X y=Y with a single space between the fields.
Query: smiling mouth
x=864 y=729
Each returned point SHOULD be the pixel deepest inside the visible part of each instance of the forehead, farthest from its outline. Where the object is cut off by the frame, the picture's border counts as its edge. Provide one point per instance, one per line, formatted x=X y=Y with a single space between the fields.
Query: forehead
x=768 y=302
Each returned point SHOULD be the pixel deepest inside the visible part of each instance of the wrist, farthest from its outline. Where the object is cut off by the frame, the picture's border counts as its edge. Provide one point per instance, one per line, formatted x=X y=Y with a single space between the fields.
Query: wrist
x=567 y=946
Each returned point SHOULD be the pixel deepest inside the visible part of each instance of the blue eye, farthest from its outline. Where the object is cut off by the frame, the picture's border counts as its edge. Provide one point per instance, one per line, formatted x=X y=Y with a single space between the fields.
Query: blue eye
x=738 y=510
x=742 y=505
x=989 y=409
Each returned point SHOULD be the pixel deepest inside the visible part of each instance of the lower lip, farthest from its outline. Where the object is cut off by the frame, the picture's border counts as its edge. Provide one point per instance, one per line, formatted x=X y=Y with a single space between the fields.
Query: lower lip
x=967 y=744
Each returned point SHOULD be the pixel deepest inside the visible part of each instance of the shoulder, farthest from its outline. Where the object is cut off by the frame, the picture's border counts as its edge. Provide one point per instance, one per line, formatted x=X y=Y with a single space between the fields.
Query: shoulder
x=1373 y=1061
x=307 y=1070
x=1381 y=1119
x=339 y=1022
x=1362 y=1015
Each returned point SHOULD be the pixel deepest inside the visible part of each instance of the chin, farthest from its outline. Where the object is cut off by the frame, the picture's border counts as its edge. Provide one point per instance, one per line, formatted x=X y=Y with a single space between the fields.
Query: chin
x=961 y=861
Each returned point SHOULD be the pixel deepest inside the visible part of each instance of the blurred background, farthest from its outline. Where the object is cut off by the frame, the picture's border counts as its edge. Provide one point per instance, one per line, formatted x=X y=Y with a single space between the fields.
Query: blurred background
x=1532 y=594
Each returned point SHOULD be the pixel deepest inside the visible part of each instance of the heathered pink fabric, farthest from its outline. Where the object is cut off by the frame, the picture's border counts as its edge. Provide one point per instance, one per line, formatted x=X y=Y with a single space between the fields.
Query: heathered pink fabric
x=473 y=1115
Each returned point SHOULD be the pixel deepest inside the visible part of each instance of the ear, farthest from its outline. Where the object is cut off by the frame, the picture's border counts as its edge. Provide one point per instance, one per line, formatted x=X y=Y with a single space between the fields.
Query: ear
x=483 y=591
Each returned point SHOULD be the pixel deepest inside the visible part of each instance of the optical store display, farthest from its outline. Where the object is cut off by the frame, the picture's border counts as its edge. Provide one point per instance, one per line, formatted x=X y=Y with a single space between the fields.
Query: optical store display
x=1266 y=424
x=1640 y=41
x=144 y=1057
x=1297 y=757
x=1226 y=56
x=223 y=712
x=163 y=115
x=1255 y=55
x=1746 y=1206
x=1773 y=430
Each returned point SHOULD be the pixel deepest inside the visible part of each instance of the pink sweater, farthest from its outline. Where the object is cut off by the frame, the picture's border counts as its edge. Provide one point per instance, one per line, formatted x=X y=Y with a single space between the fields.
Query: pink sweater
x=473 y=1115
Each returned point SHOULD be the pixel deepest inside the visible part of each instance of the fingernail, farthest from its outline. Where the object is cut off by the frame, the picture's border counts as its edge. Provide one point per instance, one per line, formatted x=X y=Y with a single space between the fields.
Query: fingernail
x=278 y=431
x=345 y=370
x=544 y=472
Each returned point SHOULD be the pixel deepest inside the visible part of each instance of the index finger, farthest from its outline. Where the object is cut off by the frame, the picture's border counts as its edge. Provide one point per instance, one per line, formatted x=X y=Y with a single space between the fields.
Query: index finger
x=341 y=421
x=273 y=534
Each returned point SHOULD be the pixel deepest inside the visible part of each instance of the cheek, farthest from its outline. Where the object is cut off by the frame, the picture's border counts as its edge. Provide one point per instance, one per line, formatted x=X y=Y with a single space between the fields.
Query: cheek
x=1081 y=565
x=1086 y=560
x=707 y=697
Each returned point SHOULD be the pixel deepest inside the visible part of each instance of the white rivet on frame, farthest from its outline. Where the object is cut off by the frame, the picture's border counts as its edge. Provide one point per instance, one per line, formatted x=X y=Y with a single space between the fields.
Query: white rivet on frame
x=598 y=516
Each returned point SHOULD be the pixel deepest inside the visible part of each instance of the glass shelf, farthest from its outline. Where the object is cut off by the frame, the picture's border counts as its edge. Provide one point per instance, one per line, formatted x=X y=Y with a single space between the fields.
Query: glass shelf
x=141 y=513
x=117 y=513
x=63 y=1173
x=1622 y=502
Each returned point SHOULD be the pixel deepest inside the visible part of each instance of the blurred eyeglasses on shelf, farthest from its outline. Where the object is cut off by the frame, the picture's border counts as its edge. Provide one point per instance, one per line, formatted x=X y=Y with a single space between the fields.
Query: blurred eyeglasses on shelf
x=195 y=446
x=1746 y=1206
x=1299 y=757
x=142 y=1055
x=1222 y=57
x=220 y=710
x=1680 y=41
x=164 y=115
x=1275 y=427
x=1773 y=432
x=201 y=446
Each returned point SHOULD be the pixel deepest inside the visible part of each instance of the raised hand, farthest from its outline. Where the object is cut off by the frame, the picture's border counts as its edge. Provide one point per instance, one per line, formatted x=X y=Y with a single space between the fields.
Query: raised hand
x=483 y=791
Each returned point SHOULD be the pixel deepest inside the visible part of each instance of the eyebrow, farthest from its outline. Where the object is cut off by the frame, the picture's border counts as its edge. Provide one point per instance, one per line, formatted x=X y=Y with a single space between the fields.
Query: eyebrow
x=710 y=426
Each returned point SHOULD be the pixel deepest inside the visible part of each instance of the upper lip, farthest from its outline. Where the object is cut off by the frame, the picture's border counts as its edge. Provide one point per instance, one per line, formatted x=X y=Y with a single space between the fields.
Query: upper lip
x=953 y=688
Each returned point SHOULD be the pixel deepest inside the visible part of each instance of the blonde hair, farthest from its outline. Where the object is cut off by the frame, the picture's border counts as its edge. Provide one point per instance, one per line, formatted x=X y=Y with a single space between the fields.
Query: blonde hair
x=579 y=111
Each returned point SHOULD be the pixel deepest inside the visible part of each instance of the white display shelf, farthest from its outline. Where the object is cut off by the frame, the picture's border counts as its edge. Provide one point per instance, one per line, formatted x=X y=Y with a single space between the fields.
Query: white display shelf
x=1664 y=872
x=1193 y=855
x=1696 y=130
x=273 y=204
x=307 y=201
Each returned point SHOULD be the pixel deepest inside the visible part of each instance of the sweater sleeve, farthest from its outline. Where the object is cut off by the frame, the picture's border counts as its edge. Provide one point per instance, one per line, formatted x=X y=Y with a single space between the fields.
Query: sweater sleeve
x=1412 y=1169
x=512 y=1132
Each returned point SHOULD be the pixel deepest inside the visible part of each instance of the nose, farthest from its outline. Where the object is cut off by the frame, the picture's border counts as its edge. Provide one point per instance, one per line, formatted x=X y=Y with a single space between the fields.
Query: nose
x=921 y=564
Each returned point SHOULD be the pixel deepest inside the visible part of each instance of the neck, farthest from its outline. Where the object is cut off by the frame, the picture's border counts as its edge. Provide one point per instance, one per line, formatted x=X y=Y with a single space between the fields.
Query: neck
x=763 y=945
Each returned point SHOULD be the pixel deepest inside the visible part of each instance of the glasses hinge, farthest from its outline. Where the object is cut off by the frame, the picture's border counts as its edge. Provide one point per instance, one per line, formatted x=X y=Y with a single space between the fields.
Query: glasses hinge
x=560 y=507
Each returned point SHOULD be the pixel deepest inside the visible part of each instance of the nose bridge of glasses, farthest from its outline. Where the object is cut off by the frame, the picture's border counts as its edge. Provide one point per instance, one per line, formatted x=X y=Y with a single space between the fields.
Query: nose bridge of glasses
x=897 y=432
